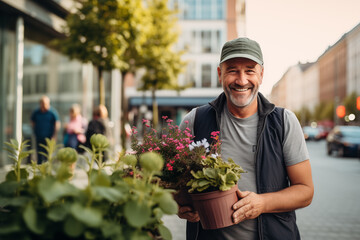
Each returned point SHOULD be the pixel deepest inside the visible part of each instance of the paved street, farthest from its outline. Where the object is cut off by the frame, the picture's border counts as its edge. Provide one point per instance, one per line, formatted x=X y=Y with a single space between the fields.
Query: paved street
x=335 y=211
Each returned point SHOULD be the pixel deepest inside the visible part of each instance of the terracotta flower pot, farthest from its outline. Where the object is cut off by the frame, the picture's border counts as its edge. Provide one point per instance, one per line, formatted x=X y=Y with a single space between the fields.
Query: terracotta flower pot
x=215 y=208
x=182 y=197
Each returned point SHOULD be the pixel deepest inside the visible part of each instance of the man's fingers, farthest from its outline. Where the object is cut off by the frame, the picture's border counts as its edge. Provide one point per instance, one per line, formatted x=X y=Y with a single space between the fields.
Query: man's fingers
x=184 y=209
x=189 y=214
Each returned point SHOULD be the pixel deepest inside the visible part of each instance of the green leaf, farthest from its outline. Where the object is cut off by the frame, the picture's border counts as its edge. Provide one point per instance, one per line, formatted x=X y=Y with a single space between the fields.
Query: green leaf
x=15 y=201
x=10 y=228
x=202 y=183
x=32 y=221
x=111 y=229
x=8 y=188
x=23 y=173
x=165 y=232
x=137 y=235
x=73 y=227
x=58 y=213
x=166 y=203
x=11 y=176
x=100 y=178
x=52 y=190
x=108 y=193
x=137 y=213
x=210 y=172
x=231 y=177
x=89 y=216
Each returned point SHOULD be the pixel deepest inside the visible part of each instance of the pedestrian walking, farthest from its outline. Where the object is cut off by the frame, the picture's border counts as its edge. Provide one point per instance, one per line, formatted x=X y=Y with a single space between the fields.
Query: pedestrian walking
x=46 y=124
x=74 y=130
x=267 y=141
x=99 y=124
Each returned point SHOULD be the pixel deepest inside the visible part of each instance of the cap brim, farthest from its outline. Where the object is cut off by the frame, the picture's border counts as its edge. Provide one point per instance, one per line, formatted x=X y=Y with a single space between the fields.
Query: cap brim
x=241 y=55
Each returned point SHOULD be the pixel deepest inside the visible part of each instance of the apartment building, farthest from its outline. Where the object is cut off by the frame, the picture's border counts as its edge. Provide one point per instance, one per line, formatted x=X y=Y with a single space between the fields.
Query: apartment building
x=353 y=61
x=205 y=25
x=334 y=75
x=297 y=86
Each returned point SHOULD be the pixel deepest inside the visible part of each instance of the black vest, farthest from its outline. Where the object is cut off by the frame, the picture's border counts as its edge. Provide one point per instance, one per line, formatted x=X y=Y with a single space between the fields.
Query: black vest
x=271 y=175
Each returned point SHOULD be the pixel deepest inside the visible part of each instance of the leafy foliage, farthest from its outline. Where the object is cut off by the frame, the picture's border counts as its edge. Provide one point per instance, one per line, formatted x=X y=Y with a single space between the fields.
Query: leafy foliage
x=217 y=175
x=173 y=145
x=108 y=33
x=113 y=205
x=162 y=62
x=196 y=166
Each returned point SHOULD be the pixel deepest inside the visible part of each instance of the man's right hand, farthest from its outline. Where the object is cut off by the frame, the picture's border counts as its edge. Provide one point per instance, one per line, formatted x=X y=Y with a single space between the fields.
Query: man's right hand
x=188 y=213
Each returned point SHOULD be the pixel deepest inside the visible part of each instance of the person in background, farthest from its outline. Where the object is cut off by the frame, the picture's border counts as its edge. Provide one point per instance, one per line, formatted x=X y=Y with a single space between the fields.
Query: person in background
x=99 y=124
x=46 y=124
x=268 y=143
x=75 y=129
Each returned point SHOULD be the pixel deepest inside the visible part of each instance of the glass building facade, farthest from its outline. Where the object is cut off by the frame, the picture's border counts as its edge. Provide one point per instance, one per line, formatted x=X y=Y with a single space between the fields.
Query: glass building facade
x=44 y=70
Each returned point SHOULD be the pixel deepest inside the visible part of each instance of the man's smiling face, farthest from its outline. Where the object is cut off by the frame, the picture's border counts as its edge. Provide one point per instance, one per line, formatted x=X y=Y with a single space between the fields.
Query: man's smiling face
x=240 y=78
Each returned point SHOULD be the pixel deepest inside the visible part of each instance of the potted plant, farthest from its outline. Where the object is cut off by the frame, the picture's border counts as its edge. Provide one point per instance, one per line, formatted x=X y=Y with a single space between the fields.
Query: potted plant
x=213 y=191
x=180 y=153
x=41 y=201
x=196 y=168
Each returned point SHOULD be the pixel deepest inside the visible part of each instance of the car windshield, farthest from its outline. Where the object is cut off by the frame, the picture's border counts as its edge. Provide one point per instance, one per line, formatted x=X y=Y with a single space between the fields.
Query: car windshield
x=351 y=132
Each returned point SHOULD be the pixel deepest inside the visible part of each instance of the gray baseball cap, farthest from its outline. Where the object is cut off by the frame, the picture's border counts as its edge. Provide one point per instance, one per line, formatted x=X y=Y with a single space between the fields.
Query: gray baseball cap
x=242 y=47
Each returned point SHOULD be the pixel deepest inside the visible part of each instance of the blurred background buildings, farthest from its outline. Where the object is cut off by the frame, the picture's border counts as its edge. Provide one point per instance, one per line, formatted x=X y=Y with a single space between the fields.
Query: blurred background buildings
x=30 y=67
x=331 y=79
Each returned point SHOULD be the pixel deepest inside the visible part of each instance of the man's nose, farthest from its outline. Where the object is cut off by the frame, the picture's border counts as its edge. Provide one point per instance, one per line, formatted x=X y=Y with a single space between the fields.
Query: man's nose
x=241 y=79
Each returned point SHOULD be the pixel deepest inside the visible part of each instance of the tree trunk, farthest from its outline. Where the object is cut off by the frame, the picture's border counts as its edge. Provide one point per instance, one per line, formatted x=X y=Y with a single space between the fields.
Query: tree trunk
x=155 y=109
x=101 y=86
x=123 y=111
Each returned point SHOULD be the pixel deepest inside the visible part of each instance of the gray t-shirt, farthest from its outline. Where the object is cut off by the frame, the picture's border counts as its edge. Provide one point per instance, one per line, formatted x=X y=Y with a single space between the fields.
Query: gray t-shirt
x=238 y=137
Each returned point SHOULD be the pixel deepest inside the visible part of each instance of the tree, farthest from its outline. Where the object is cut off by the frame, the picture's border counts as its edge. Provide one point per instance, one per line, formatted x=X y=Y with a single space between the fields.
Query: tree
x=162 y=63
x=350 y=103
x=92 y=35
x=304 y=115
x=110 y=34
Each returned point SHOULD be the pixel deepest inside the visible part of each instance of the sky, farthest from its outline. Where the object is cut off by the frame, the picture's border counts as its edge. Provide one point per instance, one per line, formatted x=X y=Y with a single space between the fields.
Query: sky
x=293 y=31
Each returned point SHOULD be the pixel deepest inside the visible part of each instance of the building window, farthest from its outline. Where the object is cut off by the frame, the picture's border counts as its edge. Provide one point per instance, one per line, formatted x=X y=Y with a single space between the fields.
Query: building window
x=199 y=9
x=190 y=75
x=206 y=75
x=41 y=83
x=206 y=41
x=27 y=85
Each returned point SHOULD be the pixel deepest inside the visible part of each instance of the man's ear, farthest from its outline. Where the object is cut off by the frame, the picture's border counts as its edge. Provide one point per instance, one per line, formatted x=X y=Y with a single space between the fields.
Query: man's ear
x=261 y=75
x=219 y=74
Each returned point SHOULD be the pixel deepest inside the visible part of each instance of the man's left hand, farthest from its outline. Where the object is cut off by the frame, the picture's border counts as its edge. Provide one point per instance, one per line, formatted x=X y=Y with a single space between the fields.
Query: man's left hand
x=249 y=206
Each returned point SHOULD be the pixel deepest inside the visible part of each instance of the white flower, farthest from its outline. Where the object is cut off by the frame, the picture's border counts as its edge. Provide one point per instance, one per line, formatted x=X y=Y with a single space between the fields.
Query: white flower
x=203 y=143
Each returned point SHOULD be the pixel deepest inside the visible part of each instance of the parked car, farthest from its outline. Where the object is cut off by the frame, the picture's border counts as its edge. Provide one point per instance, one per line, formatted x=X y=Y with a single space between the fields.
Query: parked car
x=312 y=133
x=345 y=140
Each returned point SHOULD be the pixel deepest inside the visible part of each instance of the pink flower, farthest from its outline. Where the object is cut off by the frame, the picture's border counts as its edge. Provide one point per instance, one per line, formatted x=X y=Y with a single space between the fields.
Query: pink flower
x=164 y=117
x=145 y=121
x=186 y=122
x=169 y=167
